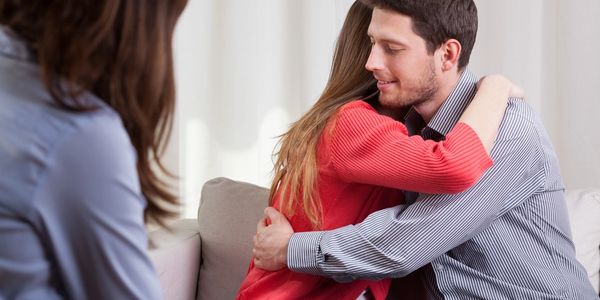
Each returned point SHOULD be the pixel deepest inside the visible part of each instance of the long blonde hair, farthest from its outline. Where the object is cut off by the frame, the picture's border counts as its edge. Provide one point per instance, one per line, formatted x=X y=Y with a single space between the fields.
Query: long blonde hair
x=296 y=172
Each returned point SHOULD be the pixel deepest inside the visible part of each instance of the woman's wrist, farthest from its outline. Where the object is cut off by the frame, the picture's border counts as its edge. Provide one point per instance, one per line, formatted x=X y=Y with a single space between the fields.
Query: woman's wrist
x=496 y=83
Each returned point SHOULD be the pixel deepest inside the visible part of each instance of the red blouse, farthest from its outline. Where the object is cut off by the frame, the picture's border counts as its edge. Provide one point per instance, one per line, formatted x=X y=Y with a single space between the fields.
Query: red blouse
x=363 y=165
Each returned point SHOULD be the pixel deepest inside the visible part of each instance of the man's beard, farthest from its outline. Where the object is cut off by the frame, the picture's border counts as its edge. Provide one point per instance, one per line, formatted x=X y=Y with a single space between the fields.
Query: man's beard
x=426 y=89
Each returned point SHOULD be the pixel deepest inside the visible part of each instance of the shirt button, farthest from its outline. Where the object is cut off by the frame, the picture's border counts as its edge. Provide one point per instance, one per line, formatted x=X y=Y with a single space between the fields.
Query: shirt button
x=439 y=267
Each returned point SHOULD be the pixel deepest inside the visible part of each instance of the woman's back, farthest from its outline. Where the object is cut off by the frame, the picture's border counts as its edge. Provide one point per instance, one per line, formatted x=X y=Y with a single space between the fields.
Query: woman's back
x=70 y=201
x=344 y=202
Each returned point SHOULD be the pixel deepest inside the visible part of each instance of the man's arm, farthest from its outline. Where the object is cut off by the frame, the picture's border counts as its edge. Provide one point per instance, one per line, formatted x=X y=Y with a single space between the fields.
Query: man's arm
x=396 y=241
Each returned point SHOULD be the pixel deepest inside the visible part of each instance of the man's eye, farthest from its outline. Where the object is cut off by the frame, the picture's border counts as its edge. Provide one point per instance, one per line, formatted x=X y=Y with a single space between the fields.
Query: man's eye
x=391 y=50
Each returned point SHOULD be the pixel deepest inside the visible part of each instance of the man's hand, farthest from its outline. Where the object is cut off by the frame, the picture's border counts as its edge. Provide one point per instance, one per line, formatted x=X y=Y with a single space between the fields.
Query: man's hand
x=271 y=241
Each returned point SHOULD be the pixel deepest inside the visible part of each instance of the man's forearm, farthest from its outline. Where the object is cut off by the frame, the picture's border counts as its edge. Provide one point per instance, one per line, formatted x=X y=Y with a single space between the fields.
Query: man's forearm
x=348 y=255
x=383 y=245
x=396 y=241
x=303 y=249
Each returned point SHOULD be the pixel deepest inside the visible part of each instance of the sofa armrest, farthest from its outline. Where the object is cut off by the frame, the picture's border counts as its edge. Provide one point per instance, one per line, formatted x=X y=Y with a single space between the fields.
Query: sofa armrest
x=584 y=209
x=175 y=253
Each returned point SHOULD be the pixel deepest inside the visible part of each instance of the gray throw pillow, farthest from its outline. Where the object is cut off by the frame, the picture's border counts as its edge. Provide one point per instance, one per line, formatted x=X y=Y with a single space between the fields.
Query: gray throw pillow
x=227 y=217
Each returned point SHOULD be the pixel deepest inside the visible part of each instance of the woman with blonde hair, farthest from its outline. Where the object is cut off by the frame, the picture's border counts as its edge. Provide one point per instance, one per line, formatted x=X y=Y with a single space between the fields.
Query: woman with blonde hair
x=347 y=157
x=86 y=102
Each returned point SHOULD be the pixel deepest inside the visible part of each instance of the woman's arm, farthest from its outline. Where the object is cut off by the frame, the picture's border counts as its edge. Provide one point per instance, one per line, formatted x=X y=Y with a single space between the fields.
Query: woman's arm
x=369 y=148
x=486 y=111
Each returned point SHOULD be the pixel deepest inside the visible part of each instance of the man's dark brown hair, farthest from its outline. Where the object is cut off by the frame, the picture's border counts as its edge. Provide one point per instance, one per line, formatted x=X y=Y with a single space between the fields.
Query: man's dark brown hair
x=437 y=21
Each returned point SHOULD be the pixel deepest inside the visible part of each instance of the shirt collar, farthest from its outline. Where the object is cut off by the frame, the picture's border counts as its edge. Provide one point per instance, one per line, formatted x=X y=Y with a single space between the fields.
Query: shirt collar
x=449 y=113
x=12 y=46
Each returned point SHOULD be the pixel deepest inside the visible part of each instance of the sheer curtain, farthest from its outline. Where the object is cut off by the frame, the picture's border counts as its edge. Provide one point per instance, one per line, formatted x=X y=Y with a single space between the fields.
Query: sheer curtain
x=247 y=69
x=550 y=48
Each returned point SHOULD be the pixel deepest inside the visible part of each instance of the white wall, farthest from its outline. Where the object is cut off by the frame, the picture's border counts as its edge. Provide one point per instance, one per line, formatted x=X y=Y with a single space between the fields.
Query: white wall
x=247 y=69
x=550 y=47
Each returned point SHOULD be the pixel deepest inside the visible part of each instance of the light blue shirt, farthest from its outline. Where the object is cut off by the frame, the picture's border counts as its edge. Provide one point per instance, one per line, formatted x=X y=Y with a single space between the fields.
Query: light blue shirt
x=71 y=207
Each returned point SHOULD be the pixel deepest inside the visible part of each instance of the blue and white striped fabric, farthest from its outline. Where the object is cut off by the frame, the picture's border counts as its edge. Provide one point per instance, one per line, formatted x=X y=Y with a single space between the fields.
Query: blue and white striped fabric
x=508 y=237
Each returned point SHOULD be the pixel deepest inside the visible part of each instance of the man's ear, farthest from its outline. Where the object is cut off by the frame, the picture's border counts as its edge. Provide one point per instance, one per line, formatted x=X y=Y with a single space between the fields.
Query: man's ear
x=450 y=54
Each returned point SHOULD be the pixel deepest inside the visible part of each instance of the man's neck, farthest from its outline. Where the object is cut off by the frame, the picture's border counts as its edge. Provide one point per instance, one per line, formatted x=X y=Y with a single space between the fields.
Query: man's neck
x=429 y=108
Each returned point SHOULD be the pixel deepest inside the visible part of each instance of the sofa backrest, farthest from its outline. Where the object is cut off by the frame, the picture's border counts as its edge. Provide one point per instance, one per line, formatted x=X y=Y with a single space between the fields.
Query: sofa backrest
x=227 y=218
x=230 y=210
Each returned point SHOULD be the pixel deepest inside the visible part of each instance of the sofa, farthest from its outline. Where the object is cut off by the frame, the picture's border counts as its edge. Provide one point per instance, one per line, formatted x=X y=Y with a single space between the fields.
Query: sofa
x=207 y=258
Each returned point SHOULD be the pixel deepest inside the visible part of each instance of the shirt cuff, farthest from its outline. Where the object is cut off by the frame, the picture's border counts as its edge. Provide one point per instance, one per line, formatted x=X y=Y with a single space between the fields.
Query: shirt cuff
x=304 y=252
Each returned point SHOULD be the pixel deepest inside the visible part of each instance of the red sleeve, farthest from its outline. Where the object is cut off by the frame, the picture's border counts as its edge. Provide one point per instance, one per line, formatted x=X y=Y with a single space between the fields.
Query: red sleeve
x=370 y=148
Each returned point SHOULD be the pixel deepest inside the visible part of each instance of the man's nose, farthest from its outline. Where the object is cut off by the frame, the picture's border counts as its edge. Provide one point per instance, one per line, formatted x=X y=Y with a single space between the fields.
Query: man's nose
x=375 y=61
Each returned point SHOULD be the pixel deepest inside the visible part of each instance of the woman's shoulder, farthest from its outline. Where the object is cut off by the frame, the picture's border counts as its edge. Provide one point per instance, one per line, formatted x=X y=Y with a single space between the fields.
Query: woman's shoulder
x=360 y=118
x=34 y=135
x=355 y=110
x=53 y=127
x=32 y=124
x=357 y=106
x=360 y=112
x=97 y=137
x=33 y=130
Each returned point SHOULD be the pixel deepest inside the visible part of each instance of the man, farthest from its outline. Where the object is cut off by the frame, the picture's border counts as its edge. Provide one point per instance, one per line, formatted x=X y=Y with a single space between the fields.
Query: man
x=507 y=237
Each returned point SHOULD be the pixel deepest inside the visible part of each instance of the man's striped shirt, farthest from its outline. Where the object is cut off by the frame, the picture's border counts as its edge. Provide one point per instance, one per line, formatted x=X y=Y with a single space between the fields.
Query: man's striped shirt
x=507 y=237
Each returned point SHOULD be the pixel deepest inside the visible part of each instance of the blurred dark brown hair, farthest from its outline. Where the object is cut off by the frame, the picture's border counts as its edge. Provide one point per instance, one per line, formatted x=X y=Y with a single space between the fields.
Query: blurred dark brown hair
x=120 y=50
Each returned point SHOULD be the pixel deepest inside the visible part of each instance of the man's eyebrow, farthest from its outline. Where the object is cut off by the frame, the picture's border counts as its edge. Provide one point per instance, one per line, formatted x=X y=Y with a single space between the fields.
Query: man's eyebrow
x=389 y=41
x=386 y=40
x=395 y=42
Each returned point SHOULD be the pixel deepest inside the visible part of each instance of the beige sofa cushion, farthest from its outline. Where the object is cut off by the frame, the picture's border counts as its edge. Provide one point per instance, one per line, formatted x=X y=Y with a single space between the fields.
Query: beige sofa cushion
x=227 y=218
x=584 y=212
